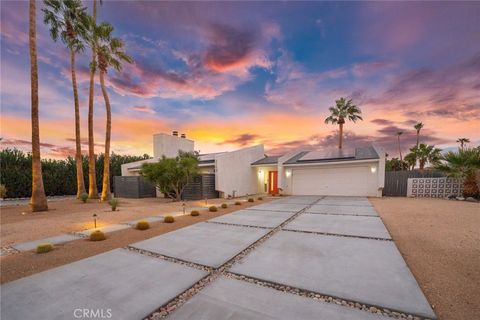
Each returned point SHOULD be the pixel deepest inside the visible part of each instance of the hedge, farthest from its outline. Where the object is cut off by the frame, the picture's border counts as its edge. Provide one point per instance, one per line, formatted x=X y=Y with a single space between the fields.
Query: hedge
x=59 y=176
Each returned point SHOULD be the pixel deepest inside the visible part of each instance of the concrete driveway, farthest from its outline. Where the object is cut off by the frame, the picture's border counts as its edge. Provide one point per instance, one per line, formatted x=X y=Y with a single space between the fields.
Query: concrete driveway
x=305 y=257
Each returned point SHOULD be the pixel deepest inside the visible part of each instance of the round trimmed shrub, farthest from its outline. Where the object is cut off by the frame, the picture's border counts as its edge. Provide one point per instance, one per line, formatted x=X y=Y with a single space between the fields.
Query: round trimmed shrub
x=143 y=225
x=97 y=235
x=213 y=209
x=250 y=200
x=44 y=247
x=113 y=203
x=169 y=219
x=195 y=213
x=238 y=203
x=224 y=206
x=84 y=197
x=260 y=198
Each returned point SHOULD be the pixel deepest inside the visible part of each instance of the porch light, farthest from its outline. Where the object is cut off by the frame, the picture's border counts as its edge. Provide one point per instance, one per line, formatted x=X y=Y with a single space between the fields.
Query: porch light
x=260 y=172
x=373 y=169
x=288 y=173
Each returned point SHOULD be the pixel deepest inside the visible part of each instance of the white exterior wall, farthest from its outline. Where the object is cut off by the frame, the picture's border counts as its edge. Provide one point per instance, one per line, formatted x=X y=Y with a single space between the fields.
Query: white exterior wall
x=261 y=176
x=169 y=145
x=380 y=169
x=125 y=167
x=233 y=171
x=283 y=180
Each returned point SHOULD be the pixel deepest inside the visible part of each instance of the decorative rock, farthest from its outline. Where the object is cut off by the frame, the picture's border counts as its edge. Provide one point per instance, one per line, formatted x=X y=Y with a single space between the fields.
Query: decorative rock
x=451 y=196
x=471 y=199
x=460 y=198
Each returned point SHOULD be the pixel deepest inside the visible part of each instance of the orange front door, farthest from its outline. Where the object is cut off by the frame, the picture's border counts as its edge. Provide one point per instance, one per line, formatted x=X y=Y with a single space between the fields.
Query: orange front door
x=272 y=181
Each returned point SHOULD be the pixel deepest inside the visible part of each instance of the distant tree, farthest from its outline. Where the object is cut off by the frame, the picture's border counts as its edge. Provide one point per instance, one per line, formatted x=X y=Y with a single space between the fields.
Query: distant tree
x=463 y=164
x=399 y=133
x=342 y=111
x=171 y=175
x=427 y=154
x=411 y=159
x=419 y=126
x=395 y=164
x=463 y=142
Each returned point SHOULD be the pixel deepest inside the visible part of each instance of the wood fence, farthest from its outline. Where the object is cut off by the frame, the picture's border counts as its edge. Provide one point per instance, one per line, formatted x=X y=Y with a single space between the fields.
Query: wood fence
x=396 y=181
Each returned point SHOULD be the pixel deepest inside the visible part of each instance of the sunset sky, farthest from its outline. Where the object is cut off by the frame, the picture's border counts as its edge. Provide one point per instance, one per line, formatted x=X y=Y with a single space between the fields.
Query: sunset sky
x=233 y=74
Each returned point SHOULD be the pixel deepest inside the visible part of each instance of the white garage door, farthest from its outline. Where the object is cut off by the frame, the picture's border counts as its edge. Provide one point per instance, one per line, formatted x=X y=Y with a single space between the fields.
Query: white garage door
x=347 y=181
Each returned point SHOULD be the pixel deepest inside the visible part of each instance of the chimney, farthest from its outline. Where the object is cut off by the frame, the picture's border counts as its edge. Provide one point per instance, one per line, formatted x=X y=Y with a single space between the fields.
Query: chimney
x=175 y=133
x=183 y=135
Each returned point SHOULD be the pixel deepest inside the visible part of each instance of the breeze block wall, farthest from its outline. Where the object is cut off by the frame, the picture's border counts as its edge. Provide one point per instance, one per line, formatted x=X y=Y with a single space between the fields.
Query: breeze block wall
x=434 y=187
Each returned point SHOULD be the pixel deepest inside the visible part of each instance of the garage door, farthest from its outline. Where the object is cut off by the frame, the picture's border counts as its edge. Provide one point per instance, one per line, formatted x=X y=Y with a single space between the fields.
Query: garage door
x=349 y=181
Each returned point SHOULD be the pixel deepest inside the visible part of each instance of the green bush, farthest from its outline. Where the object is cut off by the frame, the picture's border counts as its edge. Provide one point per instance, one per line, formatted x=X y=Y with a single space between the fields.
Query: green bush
x=97 y=235
x=169 y=219
x=44 y=247
x=260 y=198
x=224 y=206
x=238 y=203
x=113 y=203
x=84 y=197
x=250 y=200
x=194 y=213
x=213 y=209
x=143 y=225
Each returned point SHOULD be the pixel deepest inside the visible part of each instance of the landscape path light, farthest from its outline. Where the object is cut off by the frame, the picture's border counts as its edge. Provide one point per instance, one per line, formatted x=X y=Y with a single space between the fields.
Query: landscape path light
x=95 y=220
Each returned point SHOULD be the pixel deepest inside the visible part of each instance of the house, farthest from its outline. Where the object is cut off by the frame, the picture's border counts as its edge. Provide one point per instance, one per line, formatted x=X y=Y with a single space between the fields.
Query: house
x=358 y=171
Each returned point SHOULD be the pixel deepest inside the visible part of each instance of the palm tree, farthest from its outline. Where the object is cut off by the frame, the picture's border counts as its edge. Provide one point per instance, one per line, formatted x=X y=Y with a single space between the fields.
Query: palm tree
x=343 y=110
x=68 y=21
x=411 y=159
x=399 y=133
x=38 y=201
x=463 y=142
x=110 y=53
x=92 y=177
x=418 y=127
x=463 y=164
x=427 y=154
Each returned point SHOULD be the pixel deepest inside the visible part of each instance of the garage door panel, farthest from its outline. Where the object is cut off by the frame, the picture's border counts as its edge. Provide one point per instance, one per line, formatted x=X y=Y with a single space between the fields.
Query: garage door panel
x=351 y=181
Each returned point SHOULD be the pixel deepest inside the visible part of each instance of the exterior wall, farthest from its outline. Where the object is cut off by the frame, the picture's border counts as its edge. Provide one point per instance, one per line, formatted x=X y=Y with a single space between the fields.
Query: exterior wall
x=434 y=187
x=283 y=179
x=169 y=145
x=125 y=167
x=207 y=169
x=381 y=168
x=261 y=176
x=234 y=173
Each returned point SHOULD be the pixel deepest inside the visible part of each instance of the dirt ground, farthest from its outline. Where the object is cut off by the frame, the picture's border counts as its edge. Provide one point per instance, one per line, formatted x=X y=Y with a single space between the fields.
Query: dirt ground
x=23 y=264
x=18 y=224
x=440 y=241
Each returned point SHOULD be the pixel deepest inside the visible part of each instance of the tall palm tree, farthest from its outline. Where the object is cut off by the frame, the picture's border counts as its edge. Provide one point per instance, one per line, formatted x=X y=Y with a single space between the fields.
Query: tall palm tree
x=419 y=126
x=399 y=133
x=343 y=110
x=110 y=53
x=38 y=201
x=68 y=21
x=92 y=177
x=427 y=154
x=463 y=142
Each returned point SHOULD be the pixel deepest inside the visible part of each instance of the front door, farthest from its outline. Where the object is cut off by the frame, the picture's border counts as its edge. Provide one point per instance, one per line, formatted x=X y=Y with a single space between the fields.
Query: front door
x=272 y=181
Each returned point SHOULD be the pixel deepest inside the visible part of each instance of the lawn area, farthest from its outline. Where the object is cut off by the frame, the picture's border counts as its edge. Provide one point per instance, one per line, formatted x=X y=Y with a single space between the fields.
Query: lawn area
x=440 y=241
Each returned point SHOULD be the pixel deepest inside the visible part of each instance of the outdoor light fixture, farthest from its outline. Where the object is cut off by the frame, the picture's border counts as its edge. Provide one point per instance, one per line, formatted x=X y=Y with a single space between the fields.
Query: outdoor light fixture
x=373 y=169
x=95 y=220
x=288 y=173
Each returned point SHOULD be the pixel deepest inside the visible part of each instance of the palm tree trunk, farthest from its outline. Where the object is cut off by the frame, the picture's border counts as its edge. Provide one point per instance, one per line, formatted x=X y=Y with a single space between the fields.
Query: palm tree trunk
x=78 y=146
x=340 y=136
x=418 y=138
x=106 y=160
x=38 y=201
x=92 y=177
x=399 y=148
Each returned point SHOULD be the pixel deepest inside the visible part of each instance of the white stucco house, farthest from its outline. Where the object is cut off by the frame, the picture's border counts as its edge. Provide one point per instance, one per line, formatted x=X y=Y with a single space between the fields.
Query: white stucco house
x=358 y=171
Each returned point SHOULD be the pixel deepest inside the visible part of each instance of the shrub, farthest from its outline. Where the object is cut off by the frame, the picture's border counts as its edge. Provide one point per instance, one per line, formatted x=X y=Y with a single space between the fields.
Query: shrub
x=44 y=247
x=194 y=213
x=97 y=235
x=169 y=219
x=143 y=225
x=250 y=200
x=224 y=205
x=84 y=197
x=260 y=198
x=238 y=203
x=113 y=203
x=3 y=191
x=213 y=209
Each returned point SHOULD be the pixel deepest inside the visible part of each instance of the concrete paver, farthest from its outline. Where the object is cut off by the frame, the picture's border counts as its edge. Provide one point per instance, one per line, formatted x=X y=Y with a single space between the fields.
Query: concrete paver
x=291 y=207
x=258 y=218
x=233 y=299
x=297 y=200
x=121 y=283
x=340 y=224
x=363 y=270
x=205 y=243
x=343 y=202
x=31 y=245
x=352 y=210
x=105 y=229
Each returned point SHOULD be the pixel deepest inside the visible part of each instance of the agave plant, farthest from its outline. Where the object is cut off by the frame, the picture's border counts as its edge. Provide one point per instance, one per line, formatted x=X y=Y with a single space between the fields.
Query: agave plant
x=463 y=164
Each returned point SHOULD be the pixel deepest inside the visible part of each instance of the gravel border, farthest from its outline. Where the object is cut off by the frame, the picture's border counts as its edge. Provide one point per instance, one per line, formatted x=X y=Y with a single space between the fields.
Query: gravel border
x=337 y=235
x=238 y=225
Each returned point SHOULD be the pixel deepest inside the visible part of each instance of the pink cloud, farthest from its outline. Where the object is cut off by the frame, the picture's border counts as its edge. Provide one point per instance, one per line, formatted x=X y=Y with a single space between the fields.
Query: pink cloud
x=144 y=109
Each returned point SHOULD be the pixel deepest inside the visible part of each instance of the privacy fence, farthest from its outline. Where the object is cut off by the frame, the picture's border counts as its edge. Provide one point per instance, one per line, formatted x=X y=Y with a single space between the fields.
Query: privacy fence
x=396 y=182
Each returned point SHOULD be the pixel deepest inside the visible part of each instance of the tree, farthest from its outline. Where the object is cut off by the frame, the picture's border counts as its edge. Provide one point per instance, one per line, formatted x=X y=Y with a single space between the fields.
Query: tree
x=68 y=21
x=411 y=159
x=426 y=154
x=343 y=110
x=171 y=175
x=92 y=178
x=110 y=53
x=38 y=201
x=395 y=164
x=419 y=126
x=399 y=133
x=463 y=164
x=463 y=142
